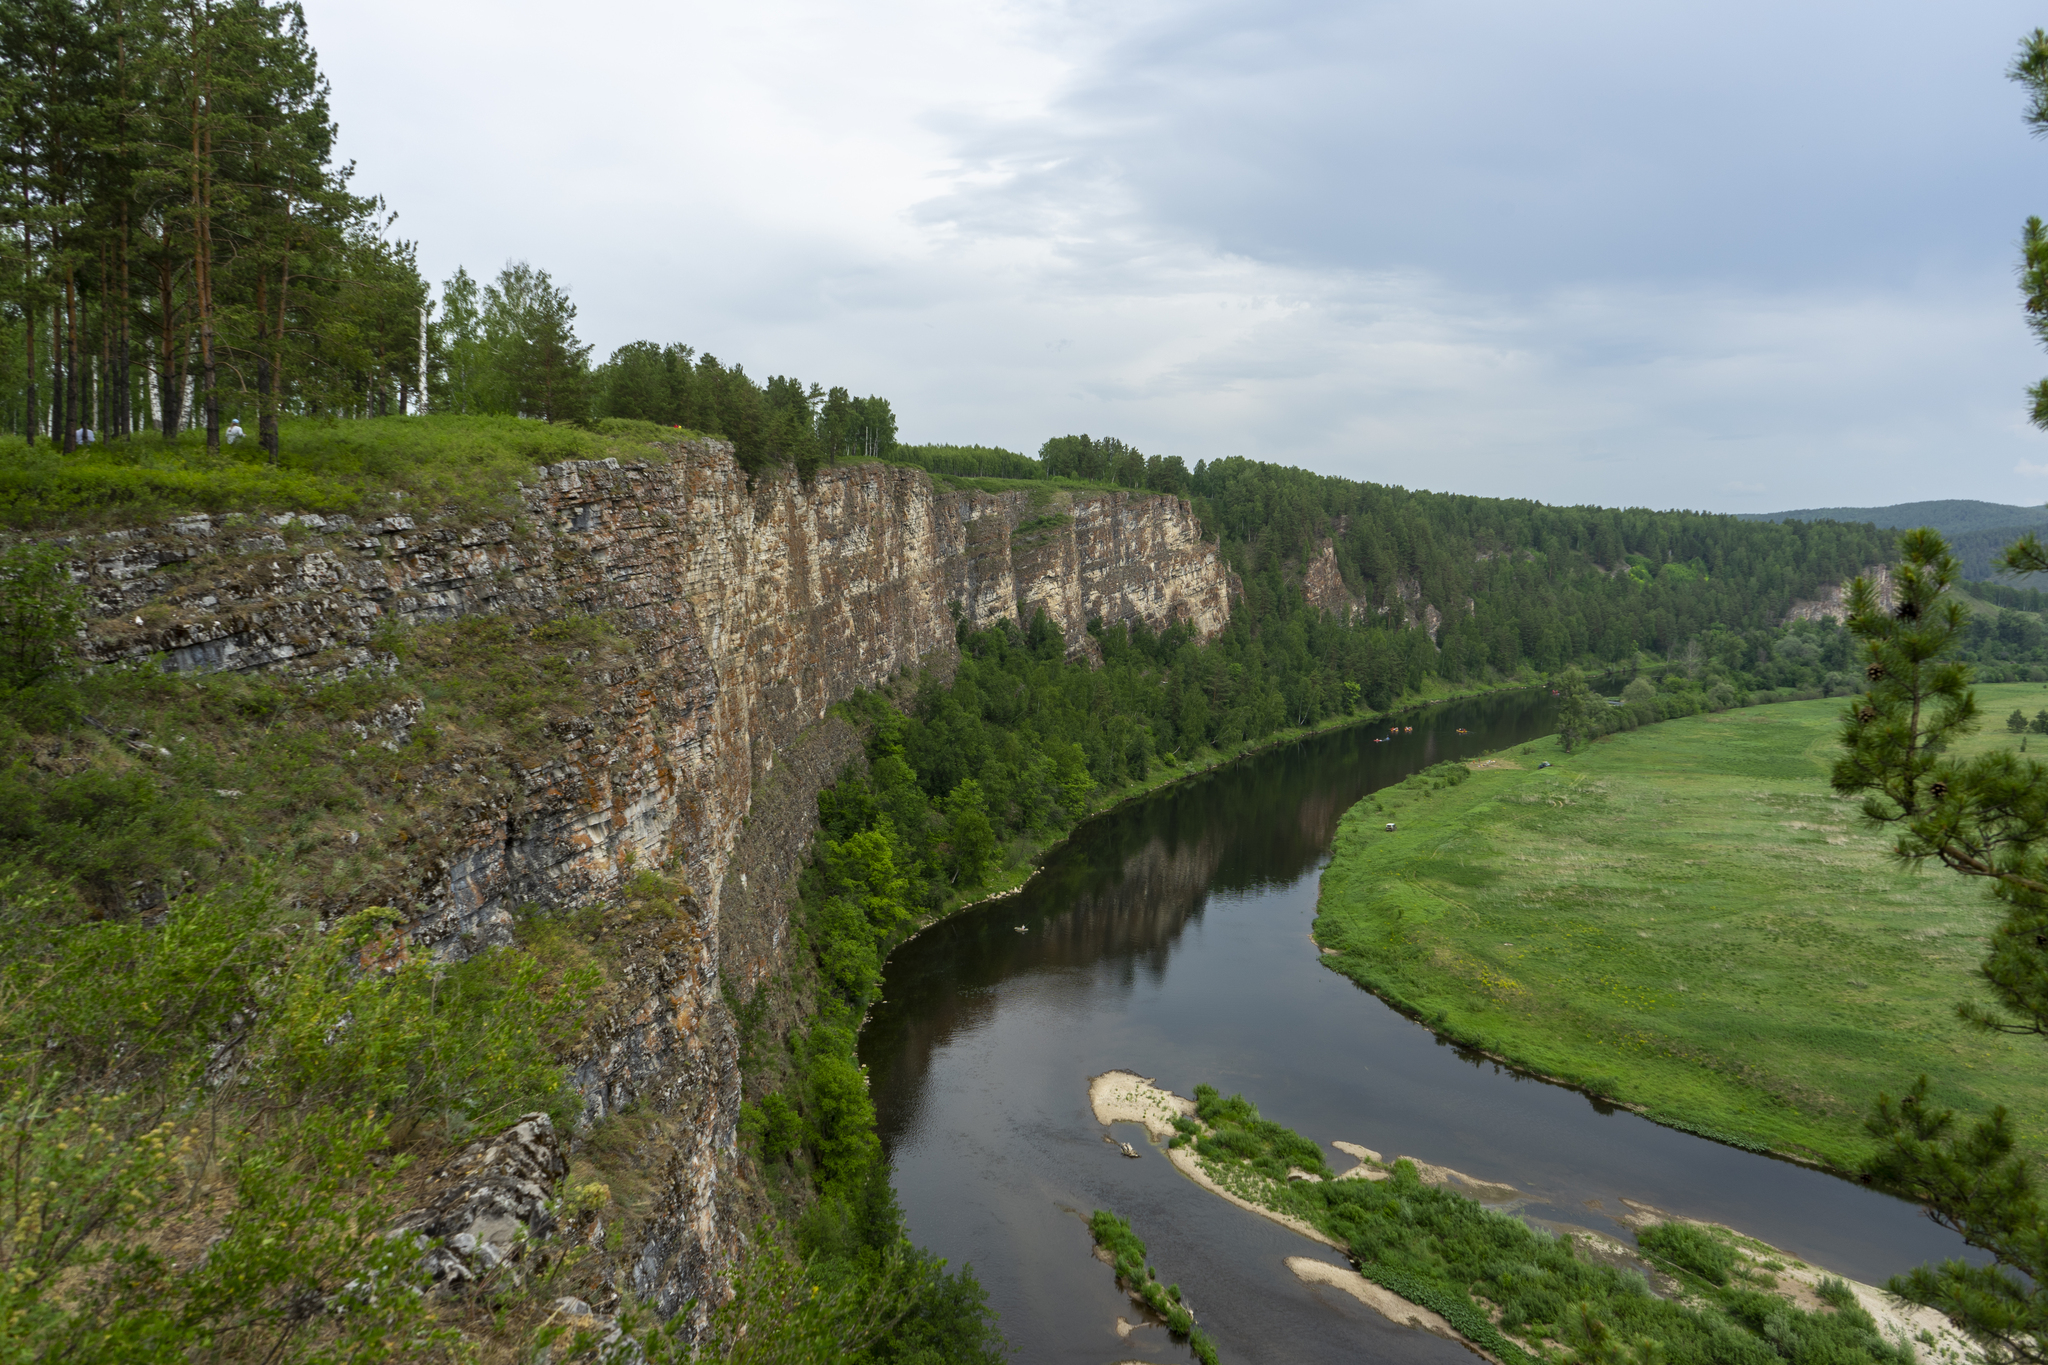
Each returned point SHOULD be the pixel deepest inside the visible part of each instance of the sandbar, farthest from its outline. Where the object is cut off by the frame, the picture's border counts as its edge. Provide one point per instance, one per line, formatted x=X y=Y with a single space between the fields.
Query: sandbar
x=1190 y=1165
x=1367 y=1167
x=1379 y=1298
x=1126 y=1097
x=1483 y=1191
x=1123 y=1097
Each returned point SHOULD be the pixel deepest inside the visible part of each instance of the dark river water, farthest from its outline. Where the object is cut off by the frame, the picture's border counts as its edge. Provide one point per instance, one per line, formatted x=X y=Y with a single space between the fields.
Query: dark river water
x=1171 y=938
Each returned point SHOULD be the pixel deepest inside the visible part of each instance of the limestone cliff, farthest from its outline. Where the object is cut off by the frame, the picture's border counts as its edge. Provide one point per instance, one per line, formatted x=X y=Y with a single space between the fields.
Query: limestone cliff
x=1833 y=602
x=754 y=608
x=1323 y=586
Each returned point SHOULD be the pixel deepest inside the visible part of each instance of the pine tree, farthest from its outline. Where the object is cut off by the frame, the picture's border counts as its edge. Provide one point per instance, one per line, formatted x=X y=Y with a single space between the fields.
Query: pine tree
x=1987 y=818
x=537 y=366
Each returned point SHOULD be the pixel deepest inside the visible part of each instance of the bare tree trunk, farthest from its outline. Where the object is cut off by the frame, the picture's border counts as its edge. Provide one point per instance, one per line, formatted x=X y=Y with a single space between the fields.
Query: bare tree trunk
x=28 y=310
x=31 y=422
x=271 y=377
x=105 y=395
x=60 y=380
x=74 y=391
x=202 y=262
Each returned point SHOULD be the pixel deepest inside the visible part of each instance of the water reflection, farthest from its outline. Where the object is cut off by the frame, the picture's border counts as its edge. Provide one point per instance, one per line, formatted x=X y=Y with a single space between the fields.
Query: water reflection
x=1170 y=938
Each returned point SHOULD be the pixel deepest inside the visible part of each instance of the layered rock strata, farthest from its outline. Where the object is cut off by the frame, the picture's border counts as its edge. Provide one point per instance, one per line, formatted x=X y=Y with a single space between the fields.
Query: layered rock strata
x=755 y=607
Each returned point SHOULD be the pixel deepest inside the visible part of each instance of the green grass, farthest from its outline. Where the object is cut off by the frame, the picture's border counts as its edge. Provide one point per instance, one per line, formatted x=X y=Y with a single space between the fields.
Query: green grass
x=130 y=776
x=324 y=465
x=1686 y=919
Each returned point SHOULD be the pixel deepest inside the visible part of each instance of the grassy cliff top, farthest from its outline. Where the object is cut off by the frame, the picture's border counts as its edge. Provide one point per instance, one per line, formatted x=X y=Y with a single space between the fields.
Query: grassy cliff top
x=324 y=465
x=1687 y=919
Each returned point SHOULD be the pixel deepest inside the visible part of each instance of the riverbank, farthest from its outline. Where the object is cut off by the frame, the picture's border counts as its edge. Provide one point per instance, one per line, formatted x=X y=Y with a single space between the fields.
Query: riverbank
x=1435 y=692
x=1683 y=919
x=1433 y=1258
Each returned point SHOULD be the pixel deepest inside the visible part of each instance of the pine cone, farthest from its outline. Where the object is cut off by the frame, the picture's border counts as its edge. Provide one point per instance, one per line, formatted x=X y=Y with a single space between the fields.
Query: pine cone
x=1874 y=672
x=1866 y=715
x=1938 y=790
x=1908 y=611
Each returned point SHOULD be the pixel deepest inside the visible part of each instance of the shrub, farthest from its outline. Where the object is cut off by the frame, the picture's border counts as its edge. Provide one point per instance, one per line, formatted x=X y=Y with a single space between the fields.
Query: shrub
x=39 y=615
x=1689 y=1248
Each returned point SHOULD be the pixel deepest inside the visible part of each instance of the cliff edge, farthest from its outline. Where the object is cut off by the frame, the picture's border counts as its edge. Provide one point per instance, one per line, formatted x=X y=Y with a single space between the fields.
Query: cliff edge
x=753 y=608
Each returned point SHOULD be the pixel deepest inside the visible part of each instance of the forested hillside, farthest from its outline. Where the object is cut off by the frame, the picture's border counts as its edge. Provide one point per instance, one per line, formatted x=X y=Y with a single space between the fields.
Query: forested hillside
x=1976 y=531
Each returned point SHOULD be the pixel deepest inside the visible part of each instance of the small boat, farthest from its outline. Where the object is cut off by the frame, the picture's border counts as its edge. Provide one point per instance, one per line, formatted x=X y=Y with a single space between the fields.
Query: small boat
x=1129 y=1150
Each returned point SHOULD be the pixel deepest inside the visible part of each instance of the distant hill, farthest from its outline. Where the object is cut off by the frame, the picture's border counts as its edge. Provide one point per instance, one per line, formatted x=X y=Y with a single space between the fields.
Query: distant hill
x=1976 y=531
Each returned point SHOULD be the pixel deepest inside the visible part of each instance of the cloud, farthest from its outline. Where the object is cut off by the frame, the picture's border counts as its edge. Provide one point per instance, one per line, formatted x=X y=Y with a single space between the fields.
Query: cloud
x=1754 y=257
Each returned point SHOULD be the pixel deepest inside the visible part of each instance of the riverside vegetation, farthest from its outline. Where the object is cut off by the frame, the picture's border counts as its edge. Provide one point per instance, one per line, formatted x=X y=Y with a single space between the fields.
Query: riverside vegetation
x=1126 y=1252
x=1521 y=1294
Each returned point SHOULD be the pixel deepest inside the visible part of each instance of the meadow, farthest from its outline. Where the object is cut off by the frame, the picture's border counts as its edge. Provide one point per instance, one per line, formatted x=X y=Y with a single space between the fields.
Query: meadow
x=1684 y=919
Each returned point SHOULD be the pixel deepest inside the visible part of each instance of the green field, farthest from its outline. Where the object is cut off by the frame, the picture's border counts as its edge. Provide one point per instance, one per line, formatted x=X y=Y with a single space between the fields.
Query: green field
x=1685 y=918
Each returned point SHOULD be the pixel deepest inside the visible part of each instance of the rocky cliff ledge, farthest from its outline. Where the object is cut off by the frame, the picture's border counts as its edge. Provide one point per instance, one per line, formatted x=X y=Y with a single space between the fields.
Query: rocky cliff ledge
x=755 y=608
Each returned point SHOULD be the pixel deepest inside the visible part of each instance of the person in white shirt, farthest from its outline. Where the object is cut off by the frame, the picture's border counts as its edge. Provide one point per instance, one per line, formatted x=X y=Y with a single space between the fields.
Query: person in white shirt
x=234 y=431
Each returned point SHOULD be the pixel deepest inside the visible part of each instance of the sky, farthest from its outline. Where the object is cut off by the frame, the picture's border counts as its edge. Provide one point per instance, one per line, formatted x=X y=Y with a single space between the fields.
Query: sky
x=1739 y=257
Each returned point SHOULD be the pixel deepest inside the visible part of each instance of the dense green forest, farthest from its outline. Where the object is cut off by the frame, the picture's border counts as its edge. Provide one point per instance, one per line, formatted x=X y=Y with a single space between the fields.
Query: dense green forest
x=1977 y=532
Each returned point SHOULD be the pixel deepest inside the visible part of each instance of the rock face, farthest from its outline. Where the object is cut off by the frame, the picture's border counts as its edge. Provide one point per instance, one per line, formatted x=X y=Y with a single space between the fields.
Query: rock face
x=755 y=608
x=1833 y=602
x=489 y=1202
x=1323 y=586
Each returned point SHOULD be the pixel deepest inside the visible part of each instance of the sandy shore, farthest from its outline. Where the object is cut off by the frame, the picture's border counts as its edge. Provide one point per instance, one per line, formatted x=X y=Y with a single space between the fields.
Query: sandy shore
x=1368 y=1167
x=1380 y=1299
x=1188 y=1164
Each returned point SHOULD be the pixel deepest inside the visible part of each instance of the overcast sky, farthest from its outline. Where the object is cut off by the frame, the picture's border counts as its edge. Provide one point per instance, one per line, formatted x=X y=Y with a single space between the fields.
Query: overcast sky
x=1739 y=257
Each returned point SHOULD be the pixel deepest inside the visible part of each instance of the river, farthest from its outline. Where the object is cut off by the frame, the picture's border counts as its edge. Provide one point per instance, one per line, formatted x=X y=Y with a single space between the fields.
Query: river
x=1170 y=937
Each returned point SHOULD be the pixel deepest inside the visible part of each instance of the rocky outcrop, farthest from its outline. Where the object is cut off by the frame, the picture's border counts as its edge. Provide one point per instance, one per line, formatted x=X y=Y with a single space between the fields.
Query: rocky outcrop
x=1833 y=602
x=1323 y=587
x=753 y=608
x=489 y=1205
x=1322 y=582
